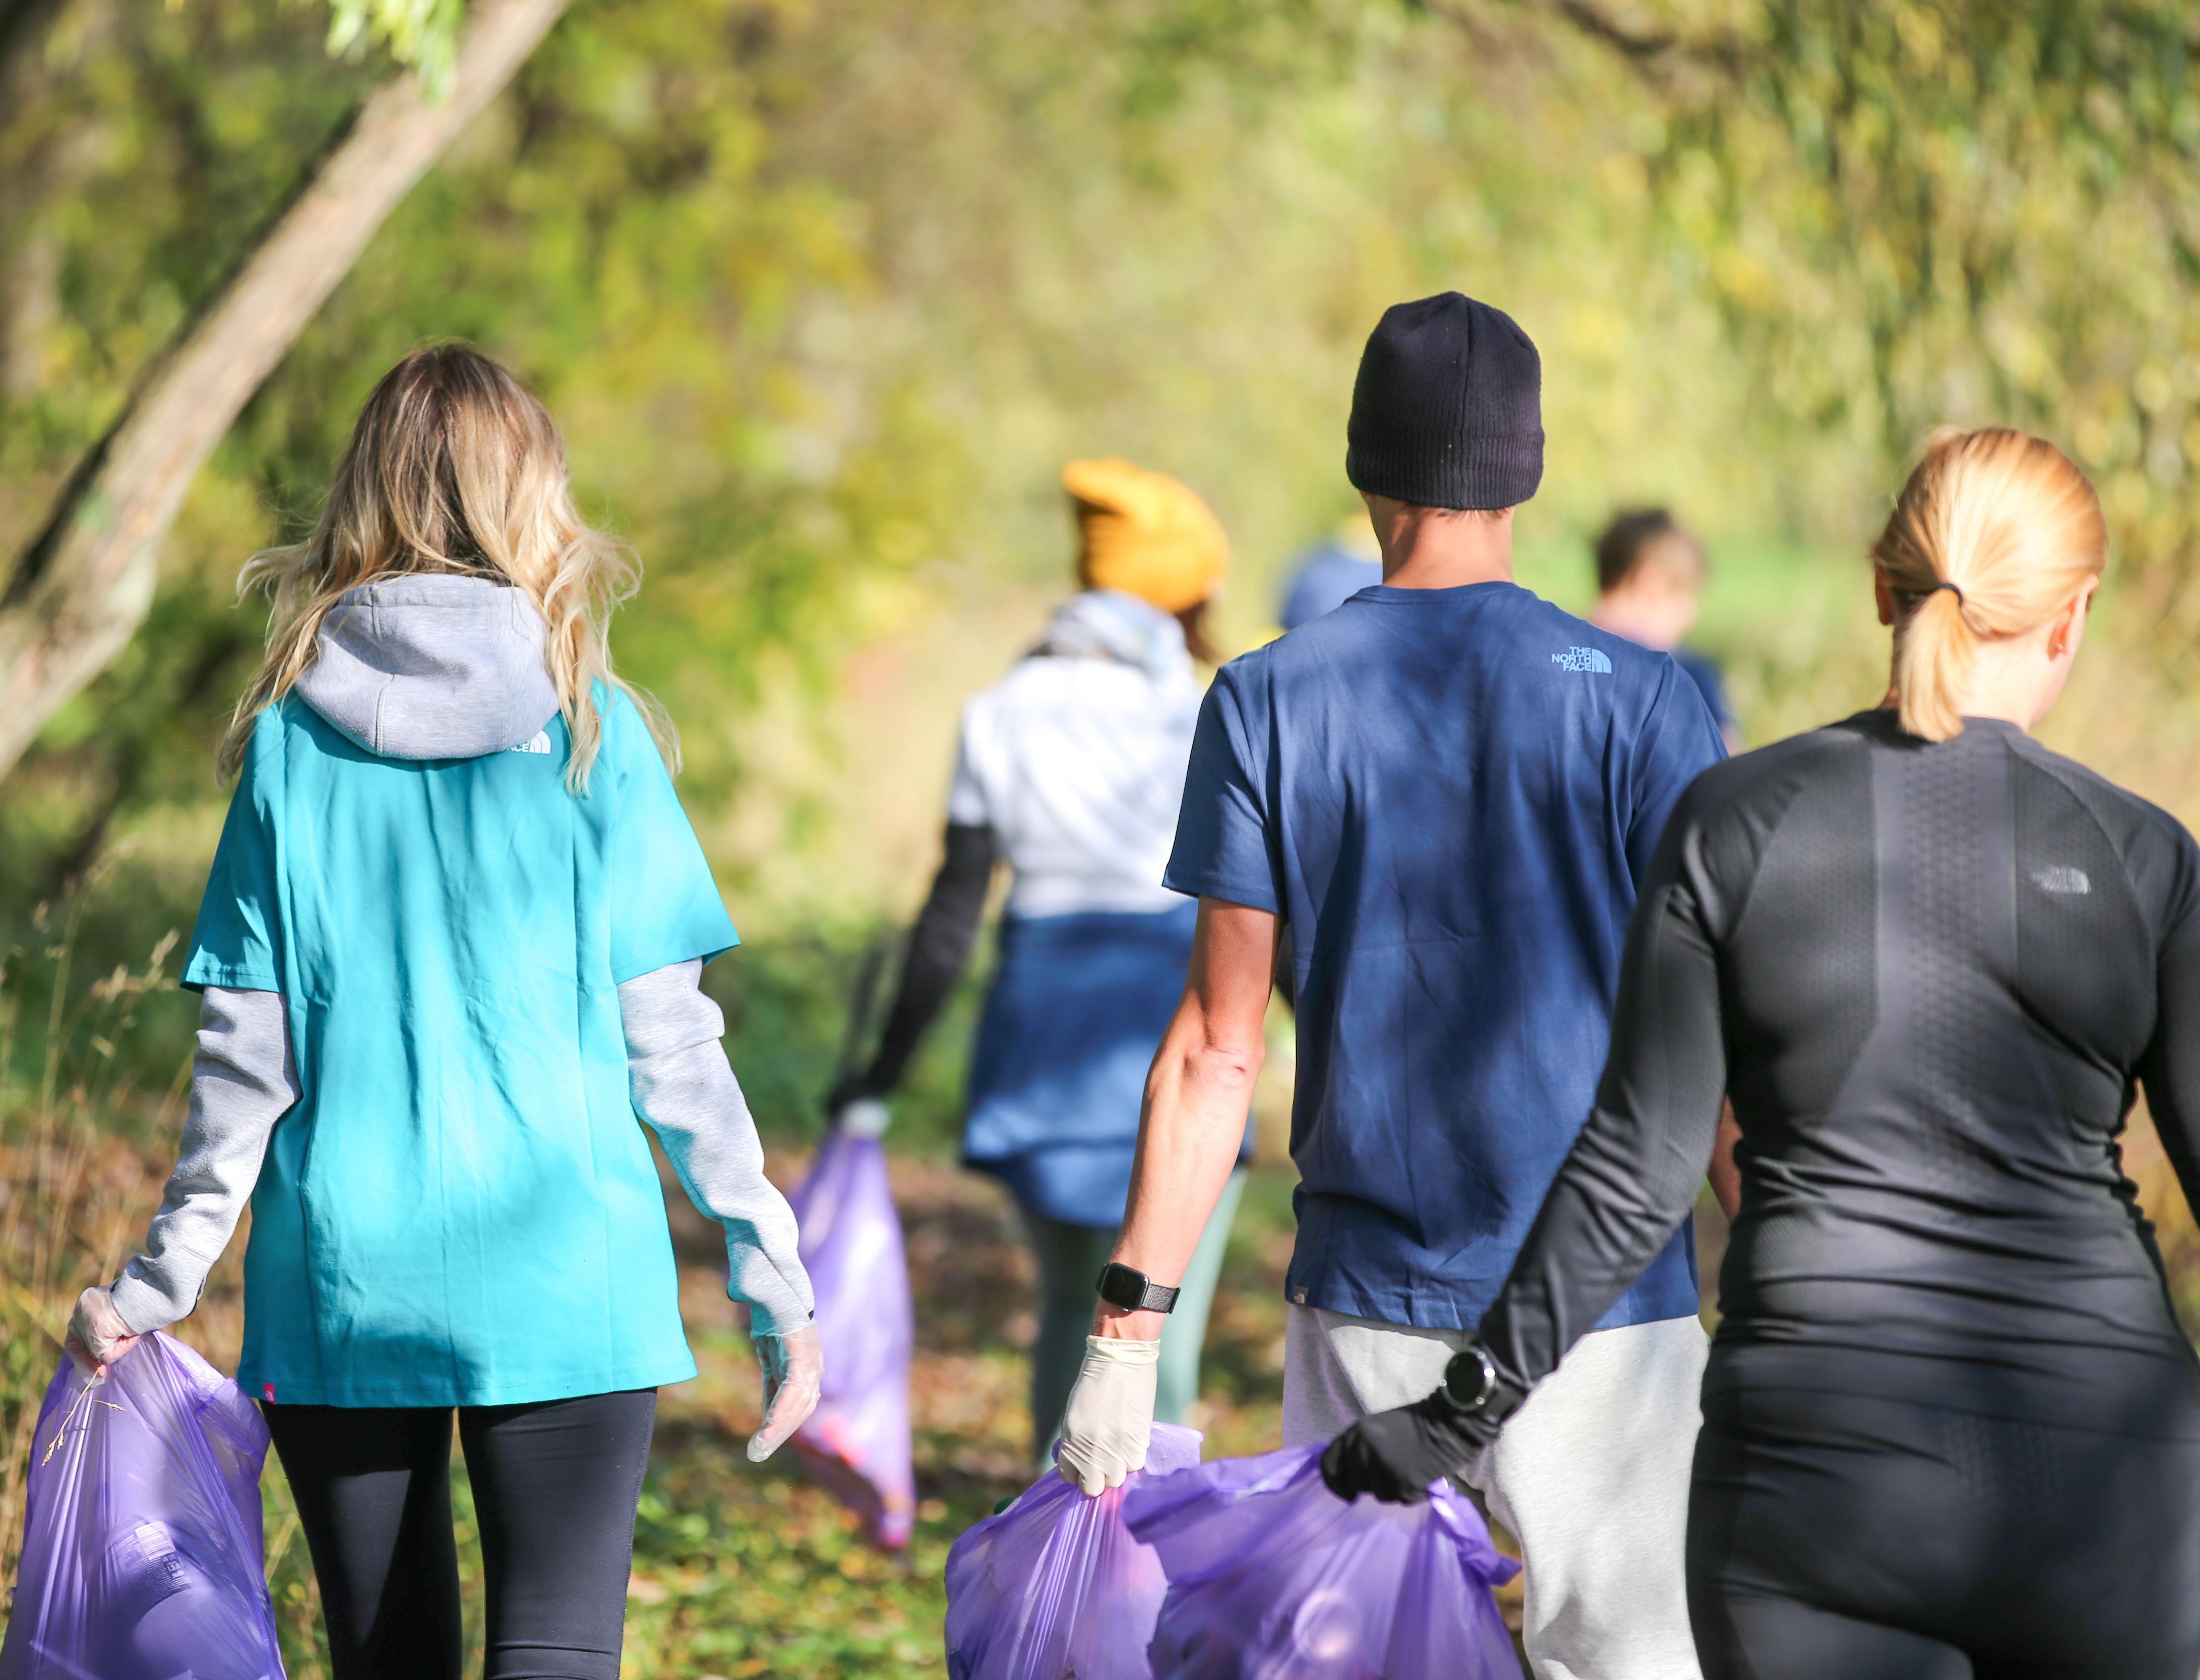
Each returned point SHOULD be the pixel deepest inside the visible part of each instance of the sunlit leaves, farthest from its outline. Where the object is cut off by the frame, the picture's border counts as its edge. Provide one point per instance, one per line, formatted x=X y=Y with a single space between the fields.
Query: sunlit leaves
x=422 y=33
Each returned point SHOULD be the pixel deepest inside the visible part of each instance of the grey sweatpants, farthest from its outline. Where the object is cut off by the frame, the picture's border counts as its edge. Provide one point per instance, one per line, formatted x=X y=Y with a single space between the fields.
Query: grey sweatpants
x=1591 y=1475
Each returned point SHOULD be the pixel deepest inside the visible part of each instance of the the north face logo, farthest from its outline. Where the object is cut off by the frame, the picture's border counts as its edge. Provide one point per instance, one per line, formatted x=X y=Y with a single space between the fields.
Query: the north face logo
x=1583 y=659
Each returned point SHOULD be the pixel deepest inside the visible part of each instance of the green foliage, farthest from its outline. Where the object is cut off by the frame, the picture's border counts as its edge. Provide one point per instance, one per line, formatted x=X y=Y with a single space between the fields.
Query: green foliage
x=422 y=33
x=1945 y=211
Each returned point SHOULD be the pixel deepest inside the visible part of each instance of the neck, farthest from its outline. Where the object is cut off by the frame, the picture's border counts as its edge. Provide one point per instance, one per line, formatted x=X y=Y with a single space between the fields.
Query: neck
x=1426 y=548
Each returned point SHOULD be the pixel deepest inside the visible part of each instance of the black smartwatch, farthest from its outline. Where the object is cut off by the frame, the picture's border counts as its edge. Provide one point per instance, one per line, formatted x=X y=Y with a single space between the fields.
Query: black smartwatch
x=1127 y=1287
x=1469 y=1380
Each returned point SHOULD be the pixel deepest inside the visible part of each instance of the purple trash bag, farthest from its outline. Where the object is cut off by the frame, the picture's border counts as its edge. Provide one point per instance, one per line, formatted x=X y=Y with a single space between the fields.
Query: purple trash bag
x=1055 y=1587
x=141 y=1535
x=1272 y=1577
x=856 y=1441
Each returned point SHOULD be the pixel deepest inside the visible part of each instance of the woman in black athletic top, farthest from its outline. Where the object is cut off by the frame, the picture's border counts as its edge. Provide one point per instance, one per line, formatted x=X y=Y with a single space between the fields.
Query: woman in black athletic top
x=1950 y=1426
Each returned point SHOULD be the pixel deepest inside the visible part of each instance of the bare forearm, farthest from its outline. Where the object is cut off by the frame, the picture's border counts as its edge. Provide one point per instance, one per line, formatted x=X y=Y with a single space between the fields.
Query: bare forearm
x=1197 y=1097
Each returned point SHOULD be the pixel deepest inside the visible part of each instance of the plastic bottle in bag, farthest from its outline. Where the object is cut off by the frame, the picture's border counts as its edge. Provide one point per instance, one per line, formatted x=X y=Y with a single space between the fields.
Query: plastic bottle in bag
x=142 y=1555
x=856 y=1442
x=1272 y=1577
x=1055 y=1588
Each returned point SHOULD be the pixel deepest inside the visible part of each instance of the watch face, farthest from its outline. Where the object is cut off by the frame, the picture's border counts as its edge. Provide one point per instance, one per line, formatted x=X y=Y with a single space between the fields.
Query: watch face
x=1122 y=1286
x=1469 y=1379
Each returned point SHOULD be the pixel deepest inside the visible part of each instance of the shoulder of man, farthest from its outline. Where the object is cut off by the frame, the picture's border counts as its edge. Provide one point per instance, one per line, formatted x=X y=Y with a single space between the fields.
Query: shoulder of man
x=1542 y=632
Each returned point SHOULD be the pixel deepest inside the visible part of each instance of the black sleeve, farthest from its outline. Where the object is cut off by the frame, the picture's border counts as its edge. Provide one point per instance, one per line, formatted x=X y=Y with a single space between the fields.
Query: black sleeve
x=2170 y=1069
x=1633 y=1173
x=939 y=947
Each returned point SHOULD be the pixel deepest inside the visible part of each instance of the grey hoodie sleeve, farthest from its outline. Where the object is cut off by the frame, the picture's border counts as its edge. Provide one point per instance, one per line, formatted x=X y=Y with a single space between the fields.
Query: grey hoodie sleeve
x=683 y=1086
x=242 y=1081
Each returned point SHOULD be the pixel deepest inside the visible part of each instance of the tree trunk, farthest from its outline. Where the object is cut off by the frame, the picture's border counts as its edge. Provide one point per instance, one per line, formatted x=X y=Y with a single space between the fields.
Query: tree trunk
x=82 y=586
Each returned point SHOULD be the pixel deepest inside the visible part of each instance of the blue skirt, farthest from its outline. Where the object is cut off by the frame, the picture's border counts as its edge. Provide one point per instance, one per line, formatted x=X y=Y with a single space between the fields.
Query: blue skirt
x=1078 y=1006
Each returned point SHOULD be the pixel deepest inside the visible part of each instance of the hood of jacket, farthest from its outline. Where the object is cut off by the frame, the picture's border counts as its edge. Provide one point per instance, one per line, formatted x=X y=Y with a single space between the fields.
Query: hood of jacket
x=1111 y=624
x=432 y=666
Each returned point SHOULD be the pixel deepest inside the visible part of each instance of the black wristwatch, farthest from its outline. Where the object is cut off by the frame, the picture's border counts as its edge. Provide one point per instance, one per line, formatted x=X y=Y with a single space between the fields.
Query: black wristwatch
x=1469 y=1380
x=1127 y=1287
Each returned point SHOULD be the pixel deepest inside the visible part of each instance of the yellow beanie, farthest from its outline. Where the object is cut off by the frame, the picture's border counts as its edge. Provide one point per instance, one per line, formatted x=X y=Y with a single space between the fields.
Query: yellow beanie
x=1144 y=534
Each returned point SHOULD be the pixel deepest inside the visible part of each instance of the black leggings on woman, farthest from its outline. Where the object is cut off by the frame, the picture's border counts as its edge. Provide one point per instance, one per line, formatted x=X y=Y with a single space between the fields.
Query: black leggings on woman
x=555 y=1486
x=1834 y=1537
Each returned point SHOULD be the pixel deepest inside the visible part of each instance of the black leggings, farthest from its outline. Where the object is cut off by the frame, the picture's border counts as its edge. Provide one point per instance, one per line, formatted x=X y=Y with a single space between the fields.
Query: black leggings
x=555 y=1486
x=1835 y=1538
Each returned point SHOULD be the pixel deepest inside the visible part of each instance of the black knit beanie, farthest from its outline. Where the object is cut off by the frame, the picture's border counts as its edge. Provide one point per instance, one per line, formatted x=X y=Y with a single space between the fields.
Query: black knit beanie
x=1447 y=411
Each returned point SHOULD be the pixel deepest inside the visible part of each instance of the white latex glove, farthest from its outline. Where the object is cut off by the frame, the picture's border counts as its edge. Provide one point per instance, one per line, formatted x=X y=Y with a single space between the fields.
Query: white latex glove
x=96 y=1335
x=865 y=1117
x=1110 y=1414
x=793 y=1366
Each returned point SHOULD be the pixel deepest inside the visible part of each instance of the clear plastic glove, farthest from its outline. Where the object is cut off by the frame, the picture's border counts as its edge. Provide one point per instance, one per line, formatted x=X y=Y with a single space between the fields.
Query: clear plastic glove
x=96 y=1335
x=1110 y=1415
x=793 y=1366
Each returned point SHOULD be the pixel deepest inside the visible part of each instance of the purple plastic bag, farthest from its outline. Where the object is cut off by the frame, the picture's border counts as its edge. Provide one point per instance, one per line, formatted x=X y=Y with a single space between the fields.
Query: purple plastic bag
x=1272 y=1577
x=856 y=1441
x=140 y=1538
x=1055 y=1587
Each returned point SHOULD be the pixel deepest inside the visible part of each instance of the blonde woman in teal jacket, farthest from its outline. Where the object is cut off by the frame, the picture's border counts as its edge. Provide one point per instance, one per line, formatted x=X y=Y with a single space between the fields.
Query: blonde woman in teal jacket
x=449 y=951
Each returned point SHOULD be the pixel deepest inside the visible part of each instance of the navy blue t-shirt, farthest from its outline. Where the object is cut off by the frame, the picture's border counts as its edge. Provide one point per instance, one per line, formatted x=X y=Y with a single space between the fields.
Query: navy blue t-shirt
x=1450 y=795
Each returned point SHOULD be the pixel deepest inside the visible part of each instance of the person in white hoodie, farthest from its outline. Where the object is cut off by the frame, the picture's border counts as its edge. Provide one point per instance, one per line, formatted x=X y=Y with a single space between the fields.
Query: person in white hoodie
x=1070 y=771
x=449 y=950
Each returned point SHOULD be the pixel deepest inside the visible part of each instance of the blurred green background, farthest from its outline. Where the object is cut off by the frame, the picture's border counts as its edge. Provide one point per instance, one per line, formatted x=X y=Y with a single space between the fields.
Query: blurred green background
x=824 y=291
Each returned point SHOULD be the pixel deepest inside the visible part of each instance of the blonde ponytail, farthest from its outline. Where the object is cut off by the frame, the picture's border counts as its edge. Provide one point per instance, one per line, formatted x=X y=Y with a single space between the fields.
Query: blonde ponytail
x=1995 y=533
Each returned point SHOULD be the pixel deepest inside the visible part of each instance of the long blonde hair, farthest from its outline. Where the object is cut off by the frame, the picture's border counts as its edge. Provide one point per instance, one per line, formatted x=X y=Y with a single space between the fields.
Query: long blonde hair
x=1995 y=533
x=455 y=466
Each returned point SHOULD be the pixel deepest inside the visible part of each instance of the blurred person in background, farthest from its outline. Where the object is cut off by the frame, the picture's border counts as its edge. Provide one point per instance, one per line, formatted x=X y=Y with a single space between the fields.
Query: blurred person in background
x=1952 y=1425
x=1650 y=576
x=1326 y=576
x=449 y=949
x=1070 y=771
x=1448 y=789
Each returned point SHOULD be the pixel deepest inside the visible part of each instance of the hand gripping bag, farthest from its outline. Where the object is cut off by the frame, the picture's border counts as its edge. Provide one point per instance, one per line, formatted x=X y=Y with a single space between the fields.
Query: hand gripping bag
x=856 y=1441
x=1272 y=1577
x=141 y=1535
x=1055 y=1587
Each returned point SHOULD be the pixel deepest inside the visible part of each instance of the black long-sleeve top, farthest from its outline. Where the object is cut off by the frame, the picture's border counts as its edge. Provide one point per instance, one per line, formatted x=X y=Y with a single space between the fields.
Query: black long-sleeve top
x=1932 y=977
x=938 y=952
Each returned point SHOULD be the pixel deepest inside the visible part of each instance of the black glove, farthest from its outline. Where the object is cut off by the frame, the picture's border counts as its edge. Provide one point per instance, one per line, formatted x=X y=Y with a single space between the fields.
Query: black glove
x=1395 y=1454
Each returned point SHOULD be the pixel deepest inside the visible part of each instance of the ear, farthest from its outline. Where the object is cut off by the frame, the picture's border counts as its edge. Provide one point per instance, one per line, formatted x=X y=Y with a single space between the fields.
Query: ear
x=2070 y=622
x=1883 y=595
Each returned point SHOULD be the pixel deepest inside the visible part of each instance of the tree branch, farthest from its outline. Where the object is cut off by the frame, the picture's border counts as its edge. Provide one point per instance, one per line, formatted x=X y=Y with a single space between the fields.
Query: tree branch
x=84 y=582
x=1652 y=52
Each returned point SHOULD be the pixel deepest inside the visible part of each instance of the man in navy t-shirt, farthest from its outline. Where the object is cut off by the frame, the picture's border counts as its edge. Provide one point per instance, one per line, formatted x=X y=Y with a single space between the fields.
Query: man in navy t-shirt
x=1447 y=789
